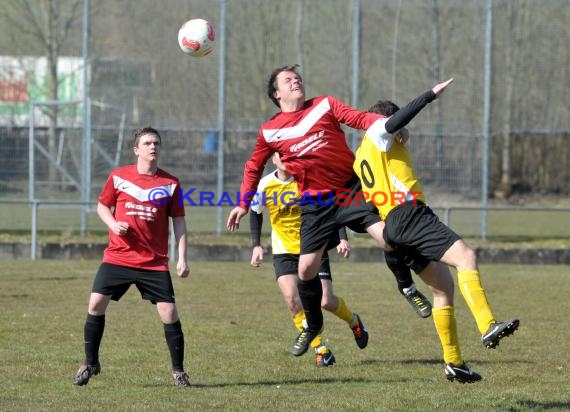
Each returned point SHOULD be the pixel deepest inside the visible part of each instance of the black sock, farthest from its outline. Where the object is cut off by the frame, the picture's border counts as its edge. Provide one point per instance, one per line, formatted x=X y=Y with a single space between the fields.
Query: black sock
x=311 y=294
x=93 y=333
x=396 y=263
x=175 y=341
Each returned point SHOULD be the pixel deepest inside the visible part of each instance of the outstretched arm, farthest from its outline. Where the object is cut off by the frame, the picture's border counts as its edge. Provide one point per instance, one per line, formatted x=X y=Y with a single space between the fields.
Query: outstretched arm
x=403 y=116
x=438 y=89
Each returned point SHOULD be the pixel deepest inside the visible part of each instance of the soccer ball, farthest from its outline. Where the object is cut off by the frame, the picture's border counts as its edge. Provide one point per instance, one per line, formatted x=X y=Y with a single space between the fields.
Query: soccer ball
x=196 y=37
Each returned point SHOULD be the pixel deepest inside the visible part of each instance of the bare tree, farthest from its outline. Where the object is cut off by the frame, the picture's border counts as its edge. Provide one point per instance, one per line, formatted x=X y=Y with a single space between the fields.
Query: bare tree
x=299 y=31
x=395 y=47
x=517 y=18
x=47 y=23
x=437 y=77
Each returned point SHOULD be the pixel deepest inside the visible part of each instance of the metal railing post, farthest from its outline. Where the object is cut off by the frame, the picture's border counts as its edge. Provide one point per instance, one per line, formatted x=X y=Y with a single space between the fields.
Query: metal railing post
x=34 y=244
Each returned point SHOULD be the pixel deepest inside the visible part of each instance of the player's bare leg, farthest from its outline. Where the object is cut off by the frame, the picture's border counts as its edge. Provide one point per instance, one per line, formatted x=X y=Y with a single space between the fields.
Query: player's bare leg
x=439 y=280
x=464 y=259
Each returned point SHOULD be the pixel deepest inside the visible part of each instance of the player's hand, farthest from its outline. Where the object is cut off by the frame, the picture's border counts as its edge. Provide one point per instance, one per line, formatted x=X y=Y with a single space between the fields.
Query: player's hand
x=402 y=136
x=235 y=216
x=120 y=228
x=182 y=269
x=257 y=256
x=438 y=89
x=343 y=248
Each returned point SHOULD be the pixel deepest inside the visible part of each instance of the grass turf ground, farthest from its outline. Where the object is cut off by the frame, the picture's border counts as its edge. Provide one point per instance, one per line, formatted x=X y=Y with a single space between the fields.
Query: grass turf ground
x=238 y=334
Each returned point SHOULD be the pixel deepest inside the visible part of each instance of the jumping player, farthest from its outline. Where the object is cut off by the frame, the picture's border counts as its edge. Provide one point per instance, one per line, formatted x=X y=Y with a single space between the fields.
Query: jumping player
x=385 y=166
x=277 y=192
x=313 y=148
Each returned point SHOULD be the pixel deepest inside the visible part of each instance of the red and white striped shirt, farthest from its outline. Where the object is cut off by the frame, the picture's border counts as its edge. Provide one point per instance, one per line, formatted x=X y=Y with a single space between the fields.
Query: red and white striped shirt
x=137 y=201
x=311 y=144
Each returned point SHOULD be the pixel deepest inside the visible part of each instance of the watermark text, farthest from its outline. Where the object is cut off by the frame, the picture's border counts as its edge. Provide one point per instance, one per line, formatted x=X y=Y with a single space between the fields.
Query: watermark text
x=340 y=197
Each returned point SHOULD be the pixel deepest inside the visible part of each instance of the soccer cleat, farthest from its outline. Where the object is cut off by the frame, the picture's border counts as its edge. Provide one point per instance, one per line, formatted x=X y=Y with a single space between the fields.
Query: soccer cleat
x=360 y=333
x=461 y=374
x=325 y=359
x=419 y=302
x=498 y=331
x=303 y=341
x=85 y=372
x=180 y=379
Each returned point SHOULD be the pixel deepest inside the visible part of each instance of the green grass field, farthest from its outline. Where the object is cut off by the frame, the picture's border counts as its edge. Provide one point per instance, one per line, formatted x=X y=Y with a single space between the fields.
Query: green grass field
x=238 y=334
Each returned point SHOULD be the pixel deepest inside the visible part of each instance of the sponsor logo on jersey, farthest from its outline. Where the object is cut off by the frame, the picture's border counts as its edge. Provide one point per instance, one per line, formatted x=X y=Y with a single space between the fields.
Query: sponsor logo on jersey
x=298 y=146
x=141 y=211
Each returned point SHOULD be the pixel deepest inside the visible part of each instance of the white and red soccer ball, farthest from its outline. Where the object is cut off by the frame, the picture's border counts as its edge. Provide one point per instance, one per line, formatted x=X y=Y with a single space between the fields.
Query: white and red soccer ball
x=196 y=37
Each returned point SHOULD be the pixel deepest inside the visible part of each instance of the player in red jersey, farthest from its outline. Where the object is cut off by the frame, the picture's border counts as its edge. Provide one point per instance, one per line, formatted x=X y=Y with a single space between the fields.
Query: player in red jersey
x=308 y=136
x=136 y=204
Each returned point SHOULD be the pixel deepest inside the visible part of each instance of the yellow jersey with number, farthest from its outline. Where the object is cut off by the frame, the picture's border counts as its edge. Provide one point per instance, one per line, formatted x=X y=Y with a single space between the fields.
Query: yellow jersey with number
x=281 y=198
x=385 y=169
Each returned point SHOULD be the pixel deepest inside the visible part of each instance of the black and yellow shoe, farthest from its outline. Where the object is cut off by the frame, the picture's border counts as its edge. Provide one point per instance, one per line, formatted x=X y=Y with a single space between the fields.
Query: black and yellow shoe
x=302 y=342
x=418 y=301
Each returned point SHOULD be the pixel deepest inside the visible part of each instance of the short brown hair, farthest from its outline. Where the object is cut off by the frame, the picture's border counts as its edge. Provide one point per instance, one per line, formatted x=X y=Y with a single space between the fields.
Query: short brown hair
x=271 y=84
x=137 y=134
x=385 y=107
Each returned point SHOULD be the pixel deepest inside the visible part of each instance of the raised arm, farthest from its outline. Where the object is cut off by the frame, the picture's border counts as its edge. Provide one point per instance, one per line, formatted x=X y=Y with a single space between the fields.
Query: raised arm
x=403 y=116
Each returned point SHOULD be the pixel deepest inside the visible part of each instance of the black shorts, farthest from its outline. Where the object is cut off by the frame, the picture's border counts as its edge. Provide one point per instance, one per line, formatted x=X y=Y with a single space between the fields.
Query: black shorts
x=411 y=258
x=417 y=228
x=115 y=280
x=322 y=217
x=288 y=264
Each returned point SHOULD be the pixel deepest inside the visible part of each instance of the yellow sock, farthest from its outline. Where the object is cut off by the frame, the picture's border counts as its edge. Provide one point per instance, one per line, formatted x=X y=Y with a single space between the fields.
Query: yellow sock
x=473 y=293
x=321 y=350
x=444 y=319
x=300 y=322
x=342 y=311
x=318 y=341
x=299 y=318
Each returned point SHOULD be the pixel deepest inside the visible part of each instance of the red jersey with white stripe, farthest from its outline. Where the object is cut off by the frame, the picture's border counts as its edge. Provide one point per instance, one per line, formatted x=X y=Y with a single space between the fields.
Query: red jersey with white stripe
x=145 y=202
x=311 y=144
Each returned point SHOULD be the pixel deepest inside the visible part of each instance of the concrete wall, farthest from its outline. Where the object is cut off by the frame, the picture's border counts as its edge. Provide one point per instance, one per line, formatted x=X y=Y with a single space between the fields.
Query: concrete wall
x=228 y=253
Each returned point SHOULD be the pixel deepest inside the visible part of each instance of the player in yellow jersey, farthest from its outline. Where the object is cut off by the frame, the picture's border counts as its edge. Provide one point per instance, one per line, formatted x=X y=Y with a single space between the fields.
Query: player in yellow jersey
x=277 y=192
x=389 y=181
